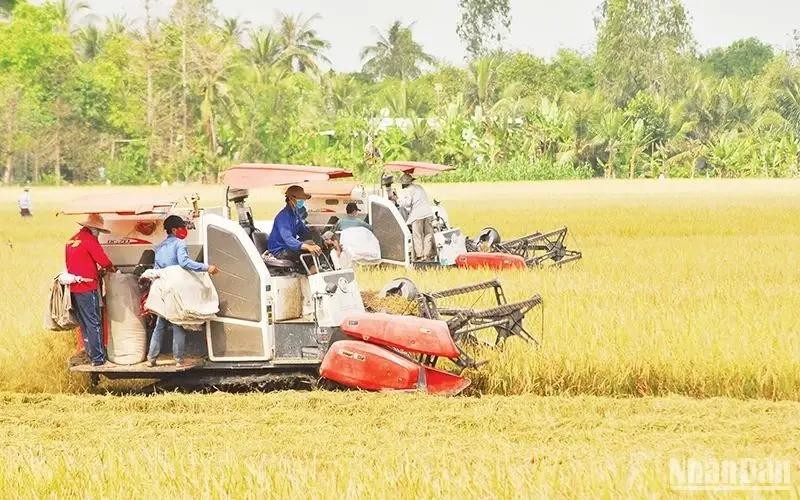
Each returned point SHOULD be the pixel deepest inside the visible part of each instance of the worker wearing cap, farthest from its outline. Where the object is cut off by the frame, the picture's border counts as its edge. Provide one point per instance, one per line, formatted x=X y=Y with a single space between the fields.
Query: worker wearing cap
x=84 y=257
x=173 y=252
x=414 y=200
x=288 y=228
x=352 y=219
x=24 y=203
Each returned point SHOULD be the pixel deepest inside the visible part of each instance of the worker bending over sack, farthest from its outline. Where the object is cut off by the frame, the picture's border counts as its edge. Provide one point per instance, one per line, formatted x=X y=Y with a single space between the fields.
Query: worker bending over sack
x=356 y=242
x=173 y=252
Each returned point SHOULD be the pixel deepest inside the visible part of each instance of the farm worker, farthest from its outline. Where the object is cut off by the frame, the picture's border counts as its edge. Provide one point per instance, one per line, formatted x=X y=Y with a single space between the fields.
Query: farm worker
x=352 y=219
x=173 y=252
x=24 y=203
x=388 y=190
x=288 y=227
x=414 y=200
x=356 y=242
x=84 y=256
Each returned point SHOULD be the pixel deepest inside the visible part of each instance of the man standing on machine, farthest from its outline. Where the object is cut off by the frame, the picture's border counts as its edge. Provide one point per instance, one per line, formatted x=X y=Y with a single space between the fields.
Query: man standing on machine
x=173 y=252
x=288 y=228
x=414 y=200
x=84 y=258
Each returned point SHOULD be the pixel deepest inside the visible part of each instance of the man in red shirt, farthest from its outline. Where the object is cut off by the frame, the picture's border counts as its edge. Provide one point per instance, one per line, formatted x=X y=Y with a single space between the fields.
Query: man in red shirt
x=84 y=256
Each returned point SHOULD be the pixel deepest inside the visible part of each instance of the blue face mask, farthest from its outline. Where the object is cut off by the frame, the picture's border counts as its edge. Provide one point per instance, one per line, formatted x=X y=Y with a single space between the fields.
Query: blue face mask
x=300 y=204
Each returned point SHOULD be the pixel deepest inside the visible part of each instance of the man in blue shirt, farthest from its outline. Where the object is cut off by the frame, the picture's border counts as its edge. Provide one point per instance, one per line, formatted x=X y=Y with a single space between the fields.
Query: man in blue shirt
x=288 y=227
x=172 y=252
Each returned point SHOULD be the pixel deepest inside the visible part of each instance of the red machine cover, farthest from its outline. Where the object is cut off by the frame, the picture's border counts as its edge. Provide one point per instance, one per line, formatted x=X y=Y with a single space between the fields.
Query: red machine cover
x=360 y=365
x=490 y=260
x=408 y=333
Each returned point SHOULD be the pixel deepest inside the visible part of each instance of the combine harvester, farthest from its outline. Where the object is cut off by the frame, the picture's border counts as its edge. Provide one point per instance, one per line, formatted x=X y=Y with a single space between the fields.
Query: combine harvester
x=280 y=327
x=454 y=248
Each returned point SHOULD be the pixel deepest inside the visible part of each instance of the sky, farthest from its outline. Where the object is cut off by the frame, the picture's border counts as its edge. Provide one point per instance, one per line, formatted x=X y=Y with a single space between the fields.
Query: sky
x=539 y=26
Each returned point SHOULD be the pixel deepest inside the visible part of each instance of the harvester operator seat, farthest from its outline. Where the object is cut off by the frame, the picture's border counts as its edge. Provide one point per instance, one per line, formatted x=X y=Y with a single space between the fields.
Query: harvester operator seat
x=260 y=240
x=277 y=267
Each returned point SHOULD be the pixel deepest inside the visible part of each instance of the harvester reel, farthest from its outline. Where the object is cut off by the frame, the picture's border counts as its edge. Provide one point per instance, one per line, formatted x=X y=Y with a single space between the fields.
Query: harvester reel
x=465 y=322
x=538 y=248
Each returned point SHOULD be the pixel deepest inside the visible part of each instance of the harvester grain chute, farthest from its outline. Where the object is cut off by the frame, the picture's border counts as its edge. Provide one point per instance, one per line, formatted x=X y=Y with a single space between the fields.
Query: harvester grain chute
x=280 y=327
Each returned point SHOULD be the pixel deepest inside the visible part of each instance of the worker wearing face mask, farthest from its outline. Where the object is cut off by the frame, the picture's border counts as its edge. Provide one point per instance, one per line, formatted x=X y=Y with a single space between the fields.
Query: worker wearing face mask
x=173 y=252
x=286 y=241
x=84 y=258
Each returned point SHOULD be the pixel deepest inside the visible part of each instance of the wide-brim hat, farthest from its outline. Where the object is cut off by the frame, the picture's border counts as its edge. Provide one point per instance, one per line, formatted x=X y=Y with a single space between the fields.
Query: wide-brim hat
x=95 y=221
x=297 y=192
x=406 y=179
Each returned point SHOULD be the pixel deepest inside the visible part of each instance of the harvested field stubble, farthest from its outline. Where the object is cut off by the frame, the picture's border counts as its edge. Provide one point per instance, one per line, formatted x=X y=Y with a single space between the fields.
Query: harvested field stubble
x=357 y=445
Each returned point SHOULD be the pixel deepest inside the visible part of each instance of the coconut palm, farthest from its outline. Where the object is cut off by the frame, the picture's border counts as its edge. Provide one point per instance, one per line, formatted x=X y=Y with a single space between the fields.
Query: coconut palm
x=116 y=25
x=396 y=54
x=213 y=60
x=233 y=28
x=301 y=45
x=265 y=49
x=89 y=42
x=68 y=11
x=483 y=76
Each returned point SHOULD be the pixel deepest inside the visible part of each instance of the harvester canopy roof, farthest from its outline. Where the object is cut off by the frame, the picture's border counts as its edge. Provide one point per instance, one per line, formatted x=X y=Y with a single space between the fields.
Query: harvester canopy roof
x=330 y=189
x=417 y=168
x=121 y=203
x=255 y=175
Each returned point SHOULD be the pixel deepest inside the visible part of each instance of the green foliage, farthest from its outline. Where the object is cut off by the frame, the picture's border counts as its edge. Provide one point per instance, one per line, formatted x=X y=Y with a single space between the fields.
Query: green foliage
x=639 y=45
x=181 y=98
x=743 y=58
x=483 y=24
x=395 y=55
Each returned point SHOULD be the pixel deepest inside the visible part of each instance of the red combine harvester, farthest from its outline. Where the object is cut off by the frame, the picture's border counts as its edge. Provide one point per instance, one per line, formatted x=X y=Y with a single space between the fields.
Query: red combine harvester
x=278 y=326
x=453 y=247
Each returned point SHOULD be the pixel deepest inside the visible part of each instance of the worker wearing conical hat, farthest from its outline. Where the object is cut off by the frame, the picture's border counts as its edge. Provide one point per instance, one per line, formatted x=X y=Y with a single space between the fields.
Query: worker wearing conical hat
x=414 y=200
x=84 y=258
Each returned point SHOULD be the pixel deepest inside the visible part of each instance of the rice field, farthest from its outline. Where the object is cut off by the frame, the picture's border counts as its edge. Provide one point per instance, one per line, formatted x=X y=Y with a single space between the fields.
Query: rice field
x=686 y=287
x=676 y=336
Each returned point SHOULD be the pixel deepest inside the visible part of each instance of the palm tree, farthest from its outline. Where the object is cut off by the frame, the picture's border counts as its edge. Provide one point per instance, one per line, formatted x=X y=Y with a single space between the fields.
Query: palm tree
x=396 y=54
x=483 y=73
x=265 y=49
x=68 y=11
x=89 y=42
x=233 y=28
x=302 y=47
x=213 y=59
x=116 y=25
x=6 y=6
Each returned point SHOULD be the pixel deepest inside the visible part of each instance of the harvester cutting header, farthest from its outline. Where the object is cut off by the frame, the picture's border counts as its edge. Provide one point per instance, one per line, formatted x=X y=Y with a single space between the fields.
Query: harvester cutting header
x=280 y=321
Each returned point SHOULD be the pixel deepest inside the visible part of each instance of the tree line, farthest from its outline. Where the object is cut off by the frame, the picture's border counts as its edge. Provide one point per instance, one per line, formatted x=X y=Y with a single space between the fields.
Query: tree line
x=181 y=98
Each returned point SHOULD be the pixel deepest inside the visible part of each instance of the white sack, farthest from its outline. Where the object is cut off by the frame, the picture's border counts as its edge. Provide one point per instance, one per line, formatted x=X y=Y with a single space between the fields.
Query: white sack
x=360 y=245
x=183 y=297
x=127 y=342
